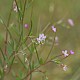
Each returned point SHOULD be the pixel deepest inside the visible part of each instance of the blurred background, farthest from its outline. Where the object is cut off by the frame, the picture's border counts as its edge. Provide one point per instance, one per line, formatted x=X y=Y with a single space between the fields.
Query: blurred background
x=44 y=13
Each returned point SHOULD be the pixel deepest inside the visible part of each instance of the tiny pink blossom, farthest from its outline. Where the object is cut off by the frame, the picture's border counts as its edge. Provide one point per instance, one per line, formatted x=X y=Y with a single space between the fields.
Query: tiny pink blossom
x=65 y=68
x=41 y=38
x=53 y=28
x=71 y=52
x=65 y=53
x=70 y=21
x=26 y=25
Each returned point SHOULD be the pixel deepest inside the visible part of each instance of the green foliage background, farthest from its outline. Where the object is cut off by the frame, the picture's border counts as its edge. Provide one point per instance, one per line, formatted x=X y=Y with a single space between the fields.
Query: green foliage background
x=44 y=12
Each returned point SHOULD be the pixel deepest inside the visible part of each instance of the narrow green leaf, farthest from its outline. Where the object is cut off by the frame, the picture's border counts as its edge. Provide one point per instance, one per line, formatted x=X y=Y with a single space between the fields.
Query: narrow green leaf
x=1 y=21
x=57 y=61
x=41 y=61
x=1 y=74
x=2 y=53
x=14 y=30
x=1 y=62
x=9 y=49
x=36 y=52
x=7 y=60
x=32 y=48
x=22 y=63
x=32 y=65
x=20 y=74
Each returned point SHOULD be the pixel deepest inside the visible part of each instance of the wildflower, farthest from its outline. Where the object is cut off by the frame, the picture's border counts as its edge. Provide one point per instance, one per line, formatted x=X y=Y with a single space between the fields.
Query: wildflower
x=41 y=38
x=71 y=52
x=15 y=7
x=70 y=21
x=53 y=28
x=65 y=53
x=65 y=67
x=26 y=25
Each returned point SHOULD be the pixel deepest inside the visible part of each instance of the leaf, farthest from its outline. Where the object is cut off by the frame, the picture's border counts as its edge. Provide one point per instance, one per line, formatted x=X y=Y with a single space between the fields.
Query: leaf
x=1 y=74
x=32 y=48
x=32 y=66
x=41 y=61
x=7 y=60
x=2 y=53
x=14 y=30
x=1 y=21
x=9 y=49
x=56 y=61
x=0 y=62
x=20 y=74
x=18 y=78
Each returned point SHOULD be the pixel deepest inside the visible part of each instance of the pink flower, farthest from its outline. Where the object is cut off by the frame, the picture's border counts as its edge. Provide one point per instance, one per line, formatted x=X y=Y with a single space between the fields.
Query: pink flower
x=26 y=25
x=71 y=52
x=41 y=38
x=65 y=67
x=53 y=28
x=70 y=21
x=65 y=53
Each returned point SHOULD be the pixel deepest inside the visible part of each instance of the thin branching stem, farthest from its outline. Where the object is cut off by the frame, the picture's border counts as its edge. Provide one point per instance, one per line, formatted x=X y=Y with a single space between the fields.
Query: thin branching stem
x=36 y=52
x=2 y=53
x=23 y=42
x=6 y=37
x=35 y=69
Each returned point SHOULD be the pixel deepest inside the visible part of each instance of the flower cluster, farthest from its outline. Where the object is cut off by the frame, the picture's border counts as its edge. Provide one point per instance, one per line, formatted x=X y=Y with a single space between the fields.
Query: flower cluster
x=41 y=38
x=66 y=54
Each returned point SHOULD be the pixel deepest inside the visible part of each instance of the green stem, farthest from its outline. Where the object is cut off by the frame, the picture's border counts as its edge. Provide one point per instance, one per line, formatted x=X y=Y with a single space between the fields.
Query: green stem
x=36 y=52
x=22 y=62
x=23 y=42
x=22 y=19
x=35 y=69
x=2 y=53
x=6 y=40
